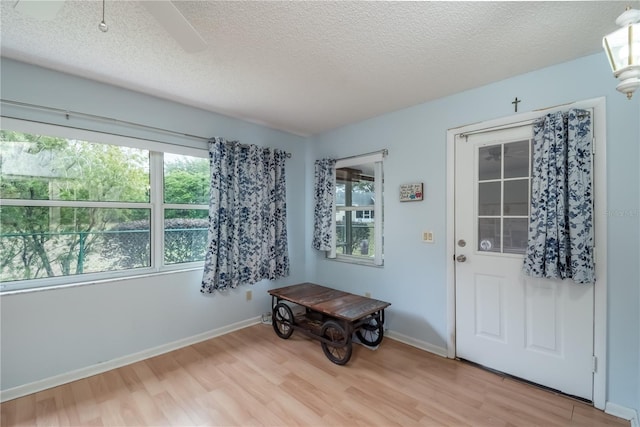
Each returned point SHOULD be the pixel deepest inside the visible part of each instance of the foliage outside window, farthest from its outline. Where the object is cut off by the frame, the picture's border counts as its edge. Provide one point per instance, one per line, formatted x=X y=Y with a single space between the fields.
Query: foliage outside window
x=78 y=208
x=186 y=213
x=358 y=221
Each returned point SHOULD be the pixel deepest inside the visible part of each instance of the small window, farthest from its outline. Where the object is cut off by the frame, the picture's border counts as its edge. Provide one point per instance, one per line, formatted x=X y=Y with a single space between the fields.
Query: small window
x=358 y=224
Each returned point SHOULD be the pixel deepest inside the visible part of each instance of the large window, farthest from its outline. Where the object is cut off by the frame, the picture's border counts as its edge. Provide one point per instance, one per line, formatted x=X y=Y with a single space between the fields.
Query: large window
x=71 y=207
x=358 y=219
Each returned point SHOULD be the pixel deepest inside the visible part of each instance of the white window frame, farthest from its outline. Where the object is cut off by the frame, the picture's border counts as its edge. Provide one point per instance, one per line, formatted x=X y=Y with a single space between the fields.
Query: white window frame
x=378 y=258
x=156 y=203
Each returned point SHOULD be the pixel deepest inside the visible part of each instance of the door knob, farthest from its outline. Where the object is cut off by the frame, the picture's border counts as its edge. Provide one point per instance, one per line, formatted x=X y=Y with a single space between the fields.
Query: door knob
x=461 y=258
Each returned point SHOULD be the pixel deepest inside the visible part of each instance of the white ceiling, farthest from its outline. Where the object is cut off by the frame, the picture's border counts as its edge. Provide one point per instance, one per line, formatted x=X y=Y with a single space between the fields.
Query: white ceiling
x=308 y=67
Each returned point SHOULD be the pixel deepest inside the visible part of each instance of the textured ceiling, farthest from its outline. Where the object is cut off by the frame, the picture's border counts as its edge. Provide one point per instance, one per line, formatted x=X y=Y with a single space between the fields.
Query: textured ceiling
x=308 y=67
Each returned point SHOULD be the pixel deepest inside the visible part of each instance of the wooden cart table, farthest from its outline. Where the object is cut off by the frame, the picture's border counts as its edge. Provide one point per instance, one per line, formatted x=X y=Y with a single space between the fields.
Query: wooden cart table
x=330 y=316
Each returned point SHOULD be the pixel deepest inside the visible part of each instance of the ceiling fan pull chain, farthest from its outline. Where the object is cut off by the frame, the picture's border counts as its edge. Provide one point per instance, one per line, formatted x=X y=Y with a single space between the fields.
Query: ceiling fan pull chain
x=102 y=25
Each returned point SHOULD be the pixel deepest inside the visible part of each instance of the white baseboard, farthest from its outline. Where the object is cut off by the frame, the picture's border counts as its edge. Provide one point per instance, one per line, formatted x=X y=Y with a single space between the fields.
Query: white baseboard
x=422 y=345
x=78 y=374
x=623 y=412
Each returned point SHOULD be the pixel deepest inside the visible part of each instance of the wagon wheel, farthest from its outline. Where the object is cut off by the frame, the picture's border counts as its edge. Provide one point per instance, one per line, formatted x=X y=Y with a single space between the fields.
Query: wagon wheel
x=371 y=333
x=333 y=332
x=282 y=320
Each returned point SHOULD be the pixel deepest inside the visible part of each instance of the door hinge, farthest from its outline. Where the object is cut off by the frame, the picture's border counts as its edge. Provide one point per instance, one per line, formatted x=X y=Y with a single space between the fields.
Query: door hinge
x=594 y=364
x=593 y=146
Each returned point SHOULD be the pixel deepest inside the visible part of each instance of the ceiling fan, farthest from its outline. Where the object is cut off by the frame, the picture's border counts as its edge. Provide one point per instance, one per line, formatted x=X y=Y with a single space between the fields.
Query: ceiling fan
x=165 y=12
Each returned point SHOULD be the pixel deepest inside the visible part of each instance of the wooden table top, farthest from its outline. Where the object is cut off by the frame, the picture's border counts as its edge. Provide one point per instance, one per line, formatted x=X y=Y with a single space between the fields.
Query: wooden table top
x=332 y=302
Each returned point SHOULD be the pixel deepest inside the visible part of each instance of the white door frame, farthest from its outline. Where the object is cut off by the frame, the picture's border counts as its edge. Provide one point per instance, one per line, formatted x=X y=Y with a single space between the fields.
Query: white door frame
x=600 y=223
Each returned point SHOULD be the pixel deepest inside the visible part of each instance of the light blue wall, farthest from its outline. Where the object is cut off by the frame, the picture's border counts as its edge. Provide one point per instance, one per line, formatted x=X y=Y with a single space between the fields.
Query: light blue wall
x=53 y=332
x=414 y=274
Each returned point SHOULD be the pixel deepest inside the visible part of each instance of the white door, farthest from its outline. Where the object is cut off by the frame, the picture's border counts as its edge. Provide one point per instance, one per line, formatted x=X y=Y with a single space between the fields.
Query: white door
x=540 y=330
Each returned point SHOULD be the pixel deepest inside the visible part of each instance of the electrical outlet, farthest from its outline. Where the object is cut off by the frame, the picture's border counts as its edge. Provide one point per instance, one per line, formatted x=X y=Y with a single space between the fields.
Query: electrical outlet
x=427 y=236
x=249 y=295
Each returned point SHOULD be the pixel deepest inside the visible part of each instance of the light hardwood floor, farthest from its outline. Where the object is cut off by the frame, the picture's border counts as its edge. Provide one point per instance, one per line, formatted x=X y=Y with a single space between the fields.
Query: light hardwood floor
x=252 y=377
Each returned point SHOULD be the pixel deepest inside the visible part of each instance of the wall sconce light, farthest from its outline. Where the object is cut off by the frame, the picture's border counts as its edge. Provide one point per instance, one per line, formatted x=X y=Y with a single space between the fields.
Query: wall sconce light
x=623 y=51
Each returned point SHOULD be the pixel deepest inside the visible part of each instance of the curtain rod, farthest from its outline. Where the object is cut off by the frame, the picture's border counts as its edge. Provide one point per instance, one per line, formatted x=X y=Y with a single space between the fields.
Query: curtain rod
x=514 y=125
x=68 y=114
x=495 y=128
x=384 y=152
x=239 y=144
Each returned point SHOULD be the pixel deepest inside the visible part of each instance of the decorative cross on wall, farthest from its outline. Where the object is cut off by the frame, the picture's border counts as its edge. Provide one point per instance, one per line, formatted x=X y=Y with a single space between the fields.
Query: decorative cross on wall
x=515 y=103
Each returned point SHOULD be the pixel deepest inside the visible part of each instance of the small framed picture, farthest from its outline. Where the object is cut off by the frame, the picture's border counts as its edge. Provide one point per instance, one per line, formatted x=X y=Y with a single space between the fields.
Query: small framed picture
x=411 y=192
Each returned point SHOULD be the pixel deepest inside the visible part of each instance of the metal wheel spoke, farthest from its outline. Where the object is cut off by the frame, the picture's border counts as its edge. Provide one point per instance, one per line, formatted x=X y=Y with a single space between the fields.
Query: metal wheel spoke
x=335 y=333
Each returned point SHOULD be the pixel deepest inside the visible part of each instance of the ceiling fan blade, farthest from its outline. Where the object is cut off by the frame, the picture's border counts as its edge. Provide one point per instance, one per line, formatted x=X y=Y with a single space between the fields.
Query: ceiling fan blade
x=41 y=10
x=176 y=25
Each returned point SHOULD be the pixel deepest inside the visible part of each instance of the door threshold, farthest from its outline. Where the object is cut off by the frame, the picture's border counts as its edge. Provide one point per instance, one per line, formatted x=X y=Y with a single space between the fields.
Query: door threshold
x=522 y=380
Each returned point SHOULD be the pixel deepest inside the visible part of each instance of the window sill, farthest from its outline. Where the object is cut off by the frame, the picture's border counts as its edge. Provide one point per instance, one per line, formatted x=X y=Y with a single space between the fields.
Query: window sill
x=96 y=281
x=355 y=260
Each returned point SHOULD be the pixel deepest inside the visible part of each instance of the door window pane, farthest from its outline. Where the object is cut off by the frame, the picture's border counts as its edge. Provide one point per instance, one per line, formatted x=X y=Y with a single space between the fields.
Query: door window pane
x=489 y=198
x=489 y=162
x=504 y=196
x=489 y=234
x=516 y=197
x=515 y=235
x=516 y=160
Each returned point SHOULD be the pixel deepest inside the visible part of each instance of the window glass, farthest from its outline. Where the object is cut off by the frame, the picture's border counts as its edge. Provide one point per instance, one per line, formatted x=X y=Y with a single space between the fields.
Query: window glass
x=186 y=179
x=186 y=182
x=503 y=197
x=489 y=162
x=358 y=236
x=489 y=234
x=516 y=197
x=185 y=235
x=489 y=200
x=36 y=167
x=516 y=160
x=515 y=235
x=357 y=240
x=38 y=242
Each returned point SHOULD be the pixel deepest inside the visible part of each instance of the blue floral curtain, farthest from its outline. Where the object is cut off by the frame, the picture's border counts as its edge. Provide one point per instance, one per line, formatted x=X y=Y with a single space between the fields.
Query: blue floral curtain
x=324 y=201
x=247 y=216
x=561 y=241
